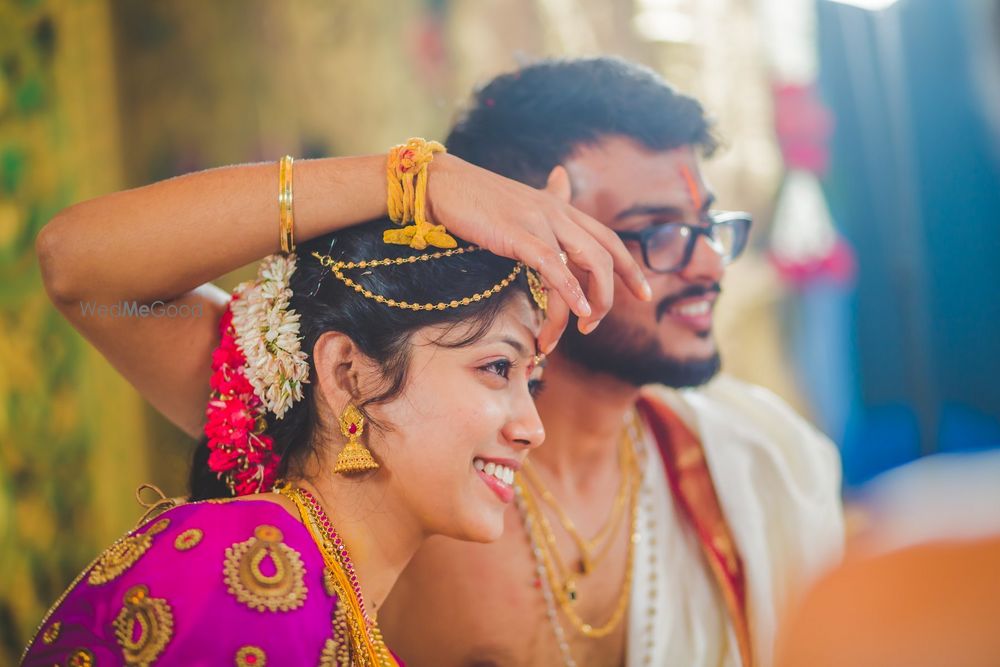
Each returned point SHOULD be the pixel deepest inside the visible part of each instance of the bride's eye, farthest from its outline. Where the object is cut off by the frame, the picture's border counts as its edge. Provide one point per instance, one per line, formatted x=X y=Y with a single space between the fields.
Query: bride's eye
x=499 y=367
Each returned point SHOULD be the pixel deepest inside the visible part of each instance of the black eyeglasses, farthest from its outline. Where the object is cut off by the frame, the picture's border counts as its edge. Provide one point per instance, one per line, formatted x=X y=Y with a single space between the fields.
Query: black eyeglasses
x=668 y=247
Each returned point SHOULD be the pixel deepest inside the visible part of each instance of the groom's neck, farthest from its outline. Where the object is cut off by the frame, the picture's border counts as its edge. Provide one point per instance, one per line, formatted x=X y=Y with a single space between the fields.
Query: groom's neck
x=583 y=413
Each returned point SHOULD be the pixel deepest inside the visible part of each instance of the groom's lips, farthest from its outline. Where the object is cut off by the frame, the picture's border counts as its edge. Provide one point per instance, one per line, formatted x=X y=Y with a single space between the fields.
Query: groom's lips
x=692 y=307
x=695 y=313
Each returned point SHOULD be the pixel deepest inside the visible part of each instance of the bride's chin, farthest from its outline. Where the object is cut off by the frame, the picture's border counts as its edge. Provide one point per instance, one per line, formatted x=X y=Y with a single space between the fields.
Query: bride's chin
x=485 y=526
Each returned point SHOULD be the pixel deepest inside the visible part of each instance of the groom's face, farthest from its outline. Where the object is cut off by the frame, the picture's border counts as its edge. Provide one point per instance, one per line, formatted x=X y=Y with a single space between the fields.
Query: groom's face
x=667 y=340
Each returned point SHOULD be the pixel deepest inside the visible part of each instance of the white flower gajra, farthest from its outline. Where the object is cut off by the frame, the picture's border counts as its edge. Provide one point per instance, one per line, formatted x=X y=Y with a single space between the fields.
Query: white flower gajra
x=267 y=333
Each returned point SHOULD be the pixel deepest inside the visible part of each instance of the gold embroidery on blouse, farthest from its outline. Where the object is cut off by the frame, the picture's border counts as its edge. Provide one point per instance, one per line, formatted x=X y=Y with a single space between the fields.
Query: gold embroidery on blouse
x=246 y=580
x=52 y=632
x=81 y=657
x=124 y=553
x=189 y=539
x=251 y=656
x=159 y=526
x=143 y=626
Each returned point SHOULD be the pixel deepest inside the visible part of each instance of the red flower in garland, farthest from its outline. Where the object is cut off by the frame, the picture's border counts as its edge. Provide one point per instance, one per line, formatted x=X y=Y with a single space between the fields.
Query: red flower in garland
x=229 y=381
x=240 y=452
x=260 y=470
x=230 y=419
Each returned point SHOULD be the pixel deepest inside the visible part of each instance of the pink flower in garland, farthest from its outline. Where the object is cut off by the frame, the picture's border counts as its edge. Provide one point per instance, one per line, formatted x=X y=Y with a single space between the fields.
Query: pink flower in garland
x=260 y=469
x=230 y=381
x=222 y=457
x=227 y=354
x=230 y=419
x=240 y=452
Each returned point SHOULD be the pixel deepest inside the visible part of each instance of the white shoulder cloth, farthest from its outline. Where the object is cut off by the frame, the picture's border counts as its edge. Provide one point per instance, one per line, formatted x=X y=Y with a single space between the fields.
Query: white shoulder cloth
x=778 y=482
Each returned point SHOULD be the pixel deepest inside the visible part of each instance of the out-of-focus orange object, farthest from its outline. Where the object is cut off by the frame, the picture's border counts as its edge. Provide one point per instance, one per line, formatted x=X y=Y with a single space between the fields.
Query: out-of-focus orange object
x=930 y=605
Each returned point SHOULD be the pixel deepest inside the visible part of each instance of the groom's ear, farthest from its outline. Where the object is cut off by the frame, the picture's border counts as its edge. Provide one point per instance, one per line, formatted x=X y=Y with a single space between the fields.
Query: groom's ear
x=559 y=183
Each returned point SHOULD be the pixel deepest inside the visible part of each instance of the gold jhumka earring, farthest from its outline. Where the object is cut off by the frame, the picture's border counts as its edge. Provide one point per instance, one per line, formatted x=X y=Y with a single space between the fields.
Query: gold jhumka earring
x=354 y=457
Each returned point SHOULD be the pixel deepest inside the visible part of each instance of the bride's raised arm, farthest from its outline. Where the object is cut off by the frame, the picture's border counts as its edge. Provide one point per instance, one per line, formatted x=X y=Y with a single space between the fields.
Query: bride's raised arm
x=160 y=246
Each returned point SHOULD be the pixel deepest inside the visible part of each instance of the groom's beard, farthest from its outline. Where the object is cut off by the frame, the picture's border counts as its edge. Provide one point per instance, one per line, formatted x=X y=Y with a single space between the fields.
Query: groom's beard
x=634 y=356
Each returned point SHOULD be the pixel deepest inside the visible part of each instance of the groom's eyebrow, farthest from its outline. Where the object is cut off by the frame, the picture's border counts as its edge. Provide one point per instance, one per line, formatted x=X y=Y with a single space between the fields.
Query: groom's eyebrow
x=662 y=210
x=651 y=209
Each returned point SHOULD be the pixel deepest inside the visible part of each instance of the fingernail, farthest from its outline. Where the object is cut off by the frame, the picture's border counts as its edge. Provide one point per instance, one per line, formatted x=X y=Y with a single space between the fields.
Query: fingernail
x=647 y=291
x=587 y=328
x=551 y=346
x=585 y=309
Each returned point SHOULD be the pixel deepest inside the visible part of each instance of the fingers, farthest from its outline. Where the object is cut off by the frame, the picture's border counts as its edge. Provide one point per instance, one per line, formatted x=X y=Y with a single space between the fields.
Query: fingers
x=543 y=257
x=625 y=266
x=588 y=256
x=536 y=227
x=623 y=263
x=556 y=319
x=557 y=313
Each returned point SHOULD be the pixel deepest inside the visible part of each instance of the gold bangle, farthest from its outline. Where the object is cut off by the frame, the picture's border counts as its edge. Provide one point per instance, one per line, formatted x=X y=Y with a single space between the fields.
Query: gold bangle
x=286 y=218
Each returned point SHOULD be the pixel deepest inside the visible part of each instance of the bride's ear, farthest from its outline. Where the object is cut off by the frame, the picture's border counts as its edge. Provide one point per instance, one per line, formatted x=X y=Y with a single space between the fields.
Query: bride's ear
x=339 y=364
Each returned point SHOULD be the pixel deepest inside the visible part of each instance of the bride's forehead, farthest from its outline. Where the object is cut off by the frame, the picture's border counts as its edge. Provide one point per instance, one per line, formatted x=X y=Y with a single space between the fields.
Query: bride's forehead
x=521 y=315
x=517 y=321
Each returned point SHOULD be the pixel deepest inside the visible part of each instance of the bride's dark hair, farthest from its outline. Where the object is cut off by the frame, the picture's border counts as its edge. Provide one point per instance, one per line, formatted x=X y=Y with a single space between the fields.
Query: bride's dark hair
x=380 y=332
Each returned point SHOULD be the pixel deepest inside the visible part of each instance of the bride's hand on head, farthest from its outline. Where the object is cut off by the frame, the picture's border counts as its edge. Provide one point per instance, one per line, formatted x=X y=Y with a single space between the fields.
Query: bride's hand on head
x=542 y=229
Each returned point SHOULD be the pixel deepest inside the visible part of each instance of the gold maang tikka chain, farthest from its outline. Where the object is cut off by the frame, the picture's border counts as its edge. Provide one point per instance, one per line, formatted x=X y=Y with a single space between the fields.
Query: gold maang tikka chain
x=337 y=268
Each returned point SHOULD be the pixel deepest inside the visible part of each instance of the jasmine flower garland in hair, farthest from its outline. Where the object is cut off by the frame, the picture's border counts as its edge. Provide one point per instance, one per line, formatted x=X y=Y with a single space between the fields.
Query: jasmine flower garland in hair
x=267 y=333
x=259 y=367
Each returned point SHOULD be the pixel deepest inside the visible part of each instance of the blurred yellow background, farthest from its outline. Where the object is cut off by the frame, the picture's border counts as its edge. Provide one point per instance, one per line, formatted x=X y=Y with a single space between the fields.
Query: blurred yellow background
x=122 y=94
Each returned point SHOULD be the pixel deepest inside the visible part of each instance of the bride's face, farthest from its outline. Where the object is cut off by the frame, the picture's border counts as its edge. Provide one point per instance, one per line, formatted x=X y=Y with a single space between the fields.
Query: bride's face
x=463 y=425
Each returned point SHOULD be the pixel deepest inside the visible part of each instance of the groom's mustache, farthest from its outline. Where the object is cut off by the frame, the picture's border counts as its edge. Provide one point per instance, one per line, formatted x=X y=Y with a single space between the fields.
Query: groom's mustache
x=686 y=293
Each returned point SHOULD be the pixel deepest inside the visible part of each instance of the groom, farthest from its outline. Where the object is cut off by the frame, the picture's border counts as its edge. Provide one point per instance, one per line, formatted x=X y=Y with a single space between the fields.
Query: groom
x=688 y=557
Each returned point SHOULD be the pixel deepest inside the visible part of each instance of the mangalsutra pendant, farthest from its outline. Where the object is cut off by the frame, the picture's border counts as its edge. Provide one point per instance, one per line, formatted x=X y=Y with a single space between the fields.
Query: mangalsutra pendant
x=569 y=587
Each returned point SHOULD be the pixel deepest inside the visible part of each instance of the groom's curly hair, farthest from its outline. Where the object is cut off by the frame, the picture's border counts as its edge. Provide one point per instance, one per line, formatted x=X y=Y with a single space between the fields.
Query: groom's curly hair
x=523 y=123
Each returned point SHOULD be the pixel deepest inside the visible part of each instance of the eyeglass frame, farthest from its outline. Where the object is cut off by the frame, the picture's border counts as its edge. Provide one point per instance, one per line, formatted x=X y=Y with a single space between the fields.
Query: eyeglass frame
x=642 y=237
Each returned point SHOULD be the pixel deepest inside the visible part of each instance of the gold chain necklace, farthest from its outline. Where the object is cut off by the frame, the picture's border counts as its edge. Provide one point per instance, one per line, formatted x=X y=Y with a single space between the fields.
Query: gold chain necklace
x=545 y=548
x=364 y=634
x=551 y=609
x=592 y=551
x=569 y=577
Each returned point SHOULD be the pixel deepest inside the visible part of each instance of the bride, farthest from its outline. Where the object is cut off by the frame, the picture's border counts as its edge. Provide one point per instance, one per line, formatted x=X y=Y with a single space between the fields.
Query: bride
x=371 y=388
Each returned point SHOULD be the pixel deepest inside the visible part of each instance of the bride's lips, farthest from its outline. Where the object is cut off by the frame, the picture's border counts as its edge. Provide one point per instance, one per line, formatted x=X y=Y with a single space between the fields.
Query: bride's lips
x=498 y=474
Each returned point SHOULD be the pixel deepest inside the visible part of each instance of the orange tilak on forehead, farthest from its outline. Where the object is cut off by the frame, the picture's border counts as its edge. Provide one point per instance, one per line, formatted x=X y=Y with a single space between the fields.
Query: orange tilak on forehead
x=692 y=186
